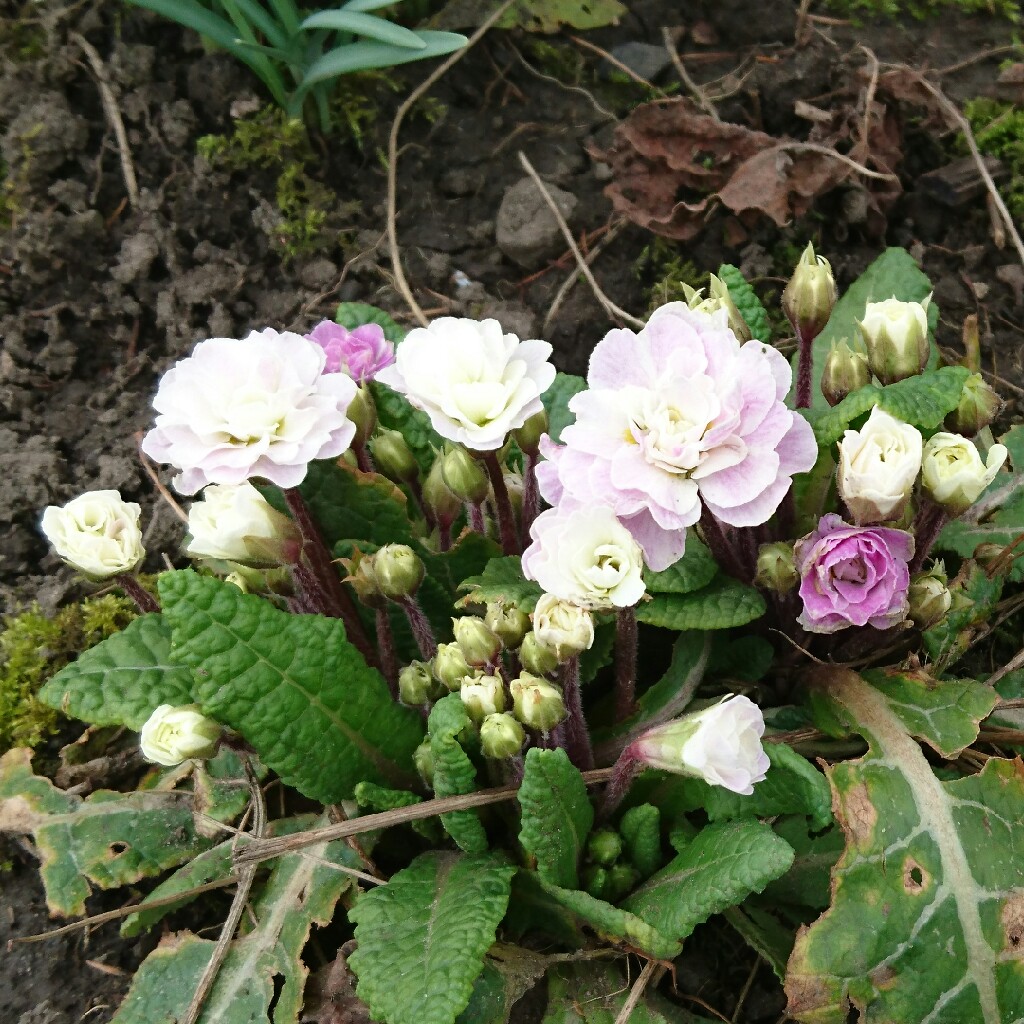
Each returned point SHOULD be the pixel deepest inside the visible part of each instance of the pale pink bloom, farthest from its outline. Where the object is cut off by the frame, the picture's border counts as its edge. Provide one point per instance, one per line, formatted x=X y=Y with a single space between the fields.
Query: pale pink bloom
x=678 y=417
x=260 y=407
x=361 y=353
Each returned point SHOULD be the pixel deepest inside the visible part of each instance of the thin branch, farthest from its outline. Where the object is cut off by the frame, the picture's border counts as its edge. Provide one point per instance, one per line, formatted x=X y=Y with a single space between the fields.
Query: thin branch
x=157 y=482
x=618 y=65
x=869 y=99
x=810 y=147
x=613 y=311
x=699 y=94
x=604 y=112
x=1011 y=666
x=113 y=115
x=569 y=283
x=636 y=992
x=407 y=105
x=745 y=991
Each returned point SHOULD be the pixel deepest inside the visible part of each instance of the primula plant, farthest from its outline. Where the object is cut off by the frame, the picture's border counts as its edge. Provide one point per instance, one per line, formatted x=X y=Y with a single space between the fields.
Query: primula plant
x=549 y=676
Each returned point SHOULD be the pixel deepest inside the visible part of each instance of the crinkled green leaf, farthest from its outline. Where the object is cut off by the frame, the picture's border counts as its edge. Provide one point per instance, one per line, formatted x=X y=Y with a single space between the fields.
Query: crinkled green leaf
x=1002 y=527
x=355 y=314
x=556 y=402
x=640 y=829
x=454 y=774
x=928 y=909
x=719 y=868
x=747 y=302
x=395 y=413
x=423 y=936
x=948 y=641
x=747 y=658
x=557 y=815
x=107 y=840
x=724 y=603
x=696 y=569
x=293 y=686
x=122 y=680
x=503 y=582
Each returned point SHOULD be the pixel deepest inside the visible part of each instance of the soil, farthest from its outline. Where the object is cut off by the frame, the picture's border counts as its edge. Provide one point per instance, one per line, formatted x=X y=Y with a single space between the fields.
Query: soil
x=98 y=297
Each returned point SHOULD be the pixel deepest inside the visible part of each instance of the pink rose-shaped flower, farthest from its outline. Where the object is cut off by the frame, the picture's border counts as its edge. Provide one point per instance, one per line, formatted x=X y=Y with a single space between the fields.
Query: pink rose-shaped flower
x=853 y=576
x=361 y=352
x=262 y=407
x=679 y=417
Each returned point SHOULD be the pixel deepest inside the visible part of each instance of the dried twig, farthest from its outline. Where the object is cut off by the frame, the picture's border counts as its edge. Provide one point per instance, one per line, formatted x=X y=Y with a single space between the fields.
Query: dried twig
x=613 y=311
x=996 y=51
x=810 y=147
x=605 y=113
x=407 y=105
x=745 y=991
x=567 y=285
x=618 y=65
x=1011 y=666
x=869 y=99
x=636 y=992
x=699 y=94
x=113 y=115
x=157 y=482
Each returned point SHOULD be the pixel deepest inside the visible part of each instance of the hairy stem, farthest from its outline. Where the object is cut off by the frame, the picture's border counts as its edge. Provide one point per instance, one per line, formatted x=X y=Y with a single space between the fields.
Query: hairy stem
x=625 y=663
x=477 y=522
x=624 y=771
x=364 y=460
x=143 y=599
x=386 y=648
x=531 y=494
x=420 y=626
x=928 y=524
x=577 y=735
x=506 y=517
x=805 y=368
x=724 y=551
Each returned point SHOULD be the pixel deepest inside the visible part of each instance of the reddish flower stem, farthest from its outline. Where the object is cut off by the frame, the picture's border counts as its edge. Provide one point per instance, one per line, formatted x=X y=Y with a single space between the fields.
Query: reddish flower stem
x=804 y=369
x=143 y=599
x=625 y=663
x=386 y=647
x=503 y=504
x=577 y=736
x=422 y=631
x=625 y=770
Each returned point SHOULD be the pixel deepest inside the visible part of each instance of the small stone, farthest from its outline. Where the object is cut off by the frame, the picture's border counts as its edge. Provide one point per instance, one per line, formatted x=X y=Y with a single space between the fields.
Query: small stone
x=643 y=59
x=461 y=181
x=527 y=231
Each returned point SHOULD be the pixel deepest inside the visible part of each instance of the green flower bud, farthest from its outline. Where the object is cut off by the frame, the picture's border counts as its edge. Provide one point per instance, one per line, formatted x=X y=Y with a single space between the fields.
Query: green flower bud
x=622 y=879
x=423 y=759
x=501 y=736
x=398 y=571
x=537 y=702
x=810 y=296
x=479 y=644
x=464 y=476
x=986 y=554
x=363 y=413
x=845 y=371
x=929 y=597
x=563 y=627
x=979 y=406
x=604 y=846
x=438 y=495
x=514 y=486
x=483 y=696
x=394 y=457
x=363 y=578
x=529 y=434
x=508 y=623
x=776 y=567
x=895 y=335
x=595 y=881
x=417 y=685
x=718 y=298
x=451 y=667
x=536 y=657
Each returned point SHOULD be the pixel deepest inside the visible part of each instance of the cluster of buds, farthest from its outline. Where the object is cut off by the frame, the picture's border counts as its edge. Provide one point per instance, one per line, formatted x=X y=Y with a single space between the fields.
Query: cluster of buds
x=608 y=873
x=718 y=298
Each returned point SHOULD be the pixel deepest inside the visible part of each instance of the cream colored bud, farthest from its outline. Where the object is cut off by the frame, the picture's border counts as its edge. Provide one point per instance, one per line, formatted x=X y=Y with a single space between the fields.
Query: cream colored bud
x=508 y=623
x=537 y=657
x=398 y=571
x=895 y=335
x=846 y=371
x=96 y=533
x=483 y=696
x=810 y=295
x=776 y=567
x=953 y=472
x=479 y=643
x=464 y=475
x=565 y=628
x=538 y=704
x=175 y=734
x=451 y=667
x=501 y=736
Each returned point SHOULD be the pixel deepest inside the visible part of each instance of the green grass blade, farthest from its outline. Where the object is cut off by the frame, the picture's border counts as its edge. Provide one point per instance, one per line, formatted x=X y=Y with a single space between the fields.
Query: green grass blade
x=288 y=14
x=366 y=25
x=368 y=5
x=257 y=15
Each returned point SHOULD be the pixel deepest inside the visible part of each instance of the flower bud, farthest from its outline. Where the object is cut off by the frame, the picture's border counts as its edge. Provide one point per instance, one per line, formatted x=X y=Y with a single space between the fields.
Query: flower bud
x=501 y=736
x=810 y=295
x=362 y=411
x=986 y=554
x=895 y=334
x=604 y=846
x=595 y=881
x=175 y=734
x=721 y=745
x=537 y=702
x=96 y=533
x=236 y=579
x=776 y=567
x=398 y=571
x=363 y=578
x=423 y=759
x=479 y=644
x=563 y=627
x=514 y=486
x=878 y=467
x=235 y=523
x=393 y=457
x=953 y=473
x=979 y=406
x=537 y=657
x=483 y=696
x=529 y=434
x=451 y=667
x=718 y=298
x=845 y=372
x=417 y=685
x=508 y=623
x=622 y=879
x=438 y=495
x=464 y=476
x=929 y=597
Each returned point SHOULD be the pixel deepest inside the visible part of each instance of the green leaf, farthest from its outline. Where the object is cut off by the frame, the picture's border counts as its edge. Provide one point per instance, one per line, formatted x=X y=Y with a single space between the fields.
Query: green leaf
x=1002 y=527
x=613 y=923
x=893 y=274
x=354 y=314
x=926 y=917
x=509 y=973
x=640 y=829
x=122 y=680
x=724 y=603
x=550 y=15
x=108 y=840
x=556 y=402
x=765 y=935
x=423 y=936
x=361 y=24
x=454 y=774
x=975 y=599
x=502 y=582
x=302 y=891
x=807 y=882
x=747 y=302
x=293 y=686
x=557 y=815
x=696 y=569
x=923 y=401
x=719 y=868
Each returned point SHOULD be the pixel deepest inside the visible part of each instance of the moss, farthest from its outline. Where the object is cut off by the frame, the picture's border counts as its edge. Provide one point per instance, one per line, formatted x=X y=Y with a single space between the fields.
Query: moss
x=22 y=38
x=663 y=271
x=33 y=647
x=999 y=131
x=922 y=8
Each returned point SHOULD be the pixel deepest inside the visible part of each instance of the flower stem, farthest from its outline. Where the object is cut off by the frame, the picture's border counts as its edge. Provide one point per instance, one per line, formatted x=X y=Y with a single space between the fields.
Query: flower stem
x=386 y=647
x=804 y=370
x=364 y=460
x=143 y=599
x=420 y=626
x=577 y=736
x=531 y=494
x=724 y=552
x=506 y=517
x=417 y=496
x=625 y=770
x=477 y=522
x=928 y=524
x=625 y=663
